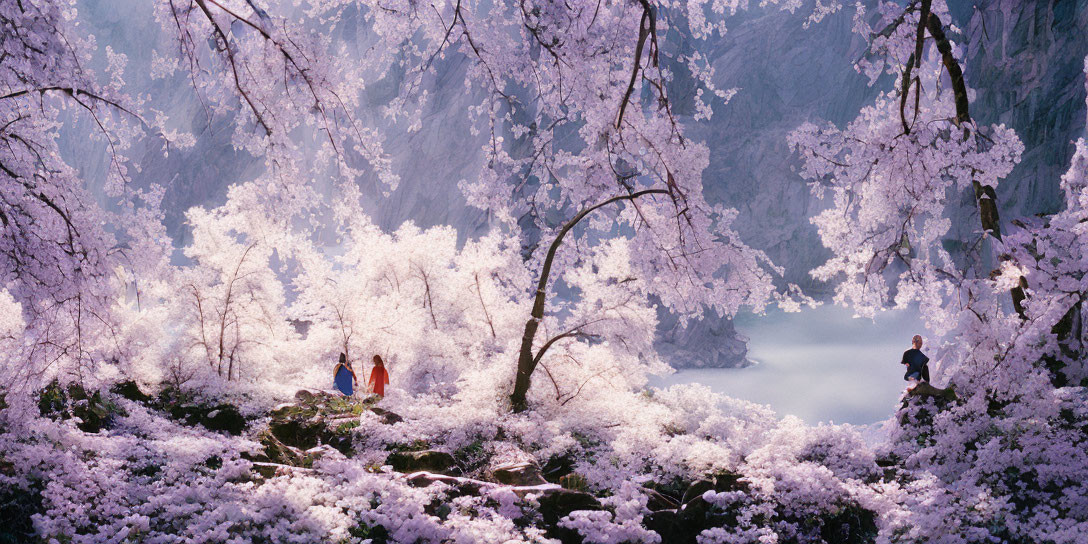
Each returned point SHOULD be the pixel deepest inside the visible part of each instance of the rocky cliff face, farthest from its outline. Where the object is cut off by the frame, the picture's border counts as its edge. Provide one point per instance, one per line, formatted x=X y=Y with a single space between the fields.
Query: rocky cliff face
x=1026 y=61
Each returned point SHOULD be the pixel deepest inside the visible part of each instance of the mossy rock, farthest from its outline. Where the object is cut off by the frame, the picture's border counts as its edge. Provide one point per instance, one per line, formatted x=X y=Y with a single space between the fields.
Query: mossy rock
x=924 y=389
x=517 y=474
x=304 y=427
x=574 y=482
x=306 y=395
x=53 y=401
x=555 y=504
x=311 y=403
x=275 y=451
x=415 y=445
x=131 y=390
x=299 y=432
x=473 y=457
x=389 y=418
x=95 y=411
x=218 y=418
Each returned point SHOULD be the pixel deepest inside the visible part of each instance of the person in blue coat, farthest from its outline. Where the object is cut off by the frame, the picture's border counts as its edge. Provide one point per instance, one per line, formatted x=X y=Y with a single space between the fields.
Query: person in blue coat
x=916 y=362
x=344 y=376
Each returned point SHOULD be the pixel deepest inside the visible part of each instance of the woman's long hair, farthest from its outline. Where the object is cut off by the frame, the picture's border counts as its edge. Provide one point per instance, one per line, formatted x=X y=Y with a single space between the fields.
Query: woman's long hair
x=343 y=357
x=378 y=361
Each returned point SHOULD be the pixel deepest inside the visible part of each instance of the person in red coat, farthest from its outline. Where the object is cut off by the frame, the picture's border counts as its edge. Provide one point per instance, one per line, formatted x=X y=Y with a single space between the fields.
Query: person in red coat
x=379 y=377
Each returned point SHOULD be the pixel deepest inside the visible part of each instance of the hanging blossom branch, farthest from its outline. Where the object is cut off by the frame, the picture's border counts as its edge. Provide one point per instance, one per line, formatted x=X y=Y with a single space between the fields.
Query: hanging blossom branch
x=283 y=76
x=56 y=257
x=890 y=169
x=985 y=195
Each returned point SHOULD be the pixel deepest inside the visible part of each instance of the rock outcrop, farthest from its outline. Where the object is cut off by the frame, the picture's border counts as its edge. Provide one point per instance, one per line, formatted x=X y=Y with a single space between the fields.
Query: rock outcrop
x=518 y=474
x=438 y=462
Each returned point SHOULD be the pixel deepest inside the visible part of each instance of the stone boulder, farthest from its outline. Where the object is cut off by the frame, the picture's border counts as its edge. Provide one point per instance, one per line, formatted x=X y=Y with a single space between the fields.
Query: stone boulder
x=131 y=390
x=457 y=486
x=438 y=462
x=219 y=418
x=94 y=410
x=924 y=389
x=519 y=474
x=557 y=503
x=322 y=452
x=389 y=418
x=319 y=417
x=297 y=430
x=276 y=452
x=307 y=395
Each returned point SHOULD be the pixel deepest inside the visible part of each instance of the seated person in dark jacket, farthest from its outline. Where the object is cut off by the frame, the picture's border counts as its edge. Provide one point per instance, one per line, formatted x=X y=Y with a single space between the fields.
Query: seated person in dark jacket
x=915 y=361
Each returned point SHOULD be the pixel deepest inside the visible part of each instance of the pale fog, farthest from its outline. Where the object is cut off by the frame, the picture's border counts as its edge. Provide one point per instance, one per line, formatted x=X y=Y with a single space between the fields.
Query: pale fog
x=820 y=364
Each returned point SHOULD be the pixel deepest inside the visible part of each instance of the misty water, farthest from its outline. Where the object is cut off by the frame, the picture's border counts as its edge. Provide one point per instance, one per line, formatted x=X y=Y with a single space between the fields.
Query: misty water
x=821 y=364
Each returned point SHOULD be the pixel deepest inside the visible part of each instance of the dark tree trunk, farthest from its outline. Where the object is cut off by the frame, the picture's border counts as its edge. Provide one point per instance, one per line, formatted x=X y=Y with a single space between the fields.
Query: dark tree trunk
x=985 y=196
x=526 y=360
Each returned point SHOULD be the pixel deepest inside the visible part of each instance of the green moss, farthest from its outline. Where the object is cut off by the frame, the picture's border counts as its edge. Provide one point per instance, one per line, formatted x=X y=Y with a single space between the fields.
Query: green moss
x=376 y=534
x=416 y=445
x=95 y=411
x=347 y=426
x=472 y=457
x=587 y=441
x=343 y=405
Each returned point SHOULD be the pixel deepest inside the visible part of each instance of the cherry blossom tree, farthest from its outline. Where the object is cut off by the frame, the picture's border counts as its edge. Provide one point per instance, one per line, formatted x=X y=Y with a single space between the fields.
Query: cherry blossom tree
x=293 y=98
x=595 y=195
x=581 y=142
x=232 y=305
x=59 y=249
x=1018 y=372
x=433 y=311
x=1051 y=266
x=67 y=257
x=894 y=170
